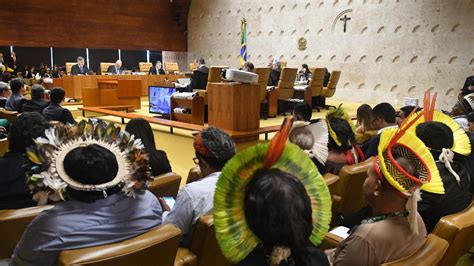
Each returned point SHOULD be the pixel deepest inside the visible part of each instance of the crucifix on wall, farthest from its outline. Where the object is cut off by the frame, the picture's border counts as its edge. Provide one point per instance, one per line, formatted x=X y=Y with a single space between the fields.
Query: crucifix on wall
x=345 y=19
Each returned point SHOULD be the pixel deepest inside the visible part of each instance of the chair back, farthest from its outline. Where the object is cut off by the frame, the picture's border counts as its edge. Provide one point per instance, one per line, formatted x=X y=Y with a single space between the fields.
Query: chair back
x=349 y=187
x=334 y=79
x=192 y=67
x=317 y=80
x=194 y=174
x=104 y=66
x=263 y=76
x=12 y=225
x=283 y=64
x=8 y=115
x=458 y=230
x=171 y=67
x=144 y=66
x=165 y=185
x=430 y=253
x=3 y=146
x=155 y=247
x=204 y=243
x=287 y=78
x=331 y=181
x=69 y=66
x=215 y=73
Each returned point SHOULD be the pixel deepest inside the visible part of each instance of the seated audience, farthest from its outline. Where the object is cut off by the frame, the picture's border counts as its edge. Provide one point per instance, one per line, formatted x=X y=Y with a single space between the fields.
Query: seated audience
x=5 y=93
x=30 y=72
x=115 y=69
x=405 y=111
x=383 y=117
x=342 y=146
x=364 y=119
x=439 y=138
x=79 y=68
x=395 y=229
x=271 y=206
x=461 y=109
x=56 y=72
x=302 y=112
x=37 y=102
x=200 y=75
x=304 y=73
x=16 y=100
x=248 y=66
x=100 y=207
x=157 y=69
x=470 y=120
x=141 y=129
x=213 y=149
x=54 y=111
x=274 y=73
x=467 y=88
x=14 y=192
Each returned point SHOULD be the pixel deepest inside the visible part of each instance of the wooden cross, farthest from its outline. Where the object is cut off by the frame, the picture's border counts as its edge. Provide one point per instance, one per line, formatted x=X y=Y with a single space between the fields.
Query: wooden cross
x=345 y=19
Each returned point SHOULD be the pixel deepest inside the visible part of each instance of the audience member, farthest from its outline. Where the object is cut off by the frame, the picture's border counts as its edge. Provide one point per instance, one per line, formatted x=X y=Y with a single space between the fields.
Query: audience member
x=470 y=120
x=275 y=203
x=213 y=148
x=364 y=119
x=54 y=111
x=305 y=73
x=248 y=66
x=440 y=140
x=395 y=229
x=115 y=69
x=5 y=93
x=461 y=109
x=56 y=72
x=37 y=102
x=30 y=72
x=274 y=73
x=79 y=68
x=383 y=117
x=92 y=179
x=157 y=69
x=405 y=111
x=302 y=112
x=14 y=192
x=141 y=129
x=200 y=75
x=16 y=100
x=341 y=146
x=467 y=88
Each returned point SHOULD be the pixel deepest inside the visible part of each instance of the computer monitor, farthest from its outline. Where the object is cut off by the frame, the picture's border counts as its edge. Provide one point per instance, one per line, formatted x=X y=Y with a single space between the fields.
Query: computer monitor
x=159 y=99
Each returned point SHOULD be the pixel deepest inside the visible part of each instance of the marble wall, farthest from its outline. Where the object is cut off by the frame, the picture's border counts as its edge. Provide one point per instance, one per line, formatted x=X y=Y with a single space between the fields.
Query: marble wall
x=390 y=49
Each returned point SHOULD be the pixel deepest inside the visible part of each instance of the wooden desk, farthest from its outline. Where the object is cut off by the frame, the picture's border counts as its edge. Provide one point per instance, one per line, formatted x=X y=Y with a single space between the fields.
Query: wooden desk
x=112 y=92
x=234 y=106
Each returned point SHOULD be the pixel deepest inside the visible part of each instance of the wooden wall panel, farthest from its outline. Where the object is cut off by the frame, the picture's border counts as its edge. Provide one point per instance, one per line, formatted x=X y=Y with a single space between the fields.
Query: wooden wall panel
x=107 y=24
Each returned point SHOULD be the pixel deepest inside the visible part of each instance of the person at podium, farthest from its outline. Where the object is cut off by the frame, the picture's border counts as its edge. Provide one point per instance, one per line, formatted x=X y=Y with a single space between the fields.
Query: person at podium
x=115 y=69
x=200 y=75
x=157 y=69
x=79 y=68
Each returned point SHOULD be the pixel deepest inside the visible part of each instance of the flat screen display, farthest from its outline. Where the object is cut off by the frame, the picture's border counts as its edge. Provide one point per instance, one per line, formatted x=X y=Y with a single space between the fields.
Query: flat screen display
x=159 y=99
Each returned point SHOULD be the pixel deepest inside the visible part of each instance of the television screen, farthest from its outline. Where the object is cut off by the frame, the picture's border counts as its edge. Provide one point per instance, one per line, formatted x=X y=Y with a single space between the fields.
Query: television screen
x=159 y=99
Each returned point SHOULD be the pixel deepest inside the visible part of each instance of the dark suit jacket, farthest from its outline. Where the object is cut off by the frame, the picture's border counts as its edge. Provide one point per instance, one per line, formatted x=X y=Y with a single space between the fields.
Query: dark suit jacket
x=54 y=112
x=113 y=70
x=152 y=71
x=274 y=77
x=199 y=80
x=36 y=105
x=75 y=70
x=3 y=102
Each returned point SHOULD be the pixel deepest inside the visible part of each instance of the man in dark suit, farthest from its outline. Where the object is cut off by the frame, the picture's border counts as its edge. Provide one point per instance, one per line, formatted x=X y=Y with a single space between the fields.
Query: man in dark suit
x=274 y=73
x=157 y=69
x=54 y=111
x=200 y=75
x=79 y=68
x=5 y=93
x=37 y=102
x=115 y=69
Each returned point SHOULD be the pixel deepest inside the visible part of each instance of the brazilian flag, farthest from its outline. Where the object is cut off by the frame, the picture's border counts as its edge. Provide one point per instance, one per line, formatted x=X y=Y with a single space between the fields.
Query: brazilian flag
x=243 y=43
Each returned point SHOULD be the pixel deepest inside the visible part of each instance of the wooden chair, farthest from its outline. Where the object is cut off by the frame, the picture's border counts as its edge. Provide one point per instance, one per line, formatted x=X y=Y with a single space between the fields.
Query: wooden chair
x=194 y=174
x=263 y=76
x=458 y=230
x=104 y=66
x=316 y=85
x=165 y=185
x=283 y=64
x=349 y=188
x=192 y=67
x=429 y=254
x=69 y=66
x=8 y=115
x=204 y=249
x=155 y=247
x=286 y=83
x=12 y=225
x=3 y=146
x=330 y=90
x=171 y=67
x=144 y=66
x=362 y=138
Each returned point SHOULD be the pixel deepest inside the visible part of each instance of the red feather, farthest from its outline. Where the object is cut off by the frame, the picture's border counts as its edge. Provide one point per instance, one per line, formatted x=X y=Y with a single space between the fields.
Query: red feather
x=277 y=145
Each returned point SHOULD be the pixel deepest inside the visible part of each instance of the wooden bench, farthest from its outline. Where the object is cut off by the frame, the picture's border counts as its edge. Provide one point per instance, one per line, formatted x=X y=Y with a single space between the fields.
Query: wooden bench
x=126 y=108
x=176 y=124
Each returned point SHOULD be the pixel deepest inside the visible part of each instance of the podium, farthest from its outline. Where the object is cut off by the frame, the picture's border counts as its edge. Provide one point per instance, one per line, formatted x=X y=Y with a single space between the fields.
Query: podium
x=234 y=106
x=113 y=92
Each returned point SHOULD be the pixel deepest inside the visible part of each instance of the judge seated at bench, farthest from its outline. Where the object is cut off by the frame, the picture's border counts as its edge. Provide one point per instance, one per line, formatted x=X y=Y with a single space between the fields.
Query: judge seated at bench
x=79 y=68
x=274 y=73
x=157 y=69
x=115 y=69
x=199 y=80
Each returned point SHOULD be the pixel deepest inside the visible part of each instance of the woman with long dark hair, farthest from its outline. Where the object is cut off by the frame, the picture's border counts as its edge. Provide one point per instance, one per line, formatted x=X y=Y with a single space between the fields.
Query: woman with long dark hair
x=141 y=129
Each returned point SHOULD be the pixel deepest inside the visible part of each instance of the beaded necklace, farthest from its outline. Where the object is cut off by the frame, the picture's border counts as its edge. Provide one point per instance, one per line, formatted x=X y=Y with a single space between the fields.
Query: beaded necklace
x=384 y=217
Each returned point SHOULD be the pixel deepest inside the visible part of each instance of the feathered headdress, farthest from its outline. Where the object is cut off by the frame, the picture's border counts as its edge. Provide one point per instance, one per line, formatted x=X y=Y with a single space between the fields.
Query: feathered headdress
x=47 y=177
x=342 y=114
x=233 y=234
x=319 y=138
